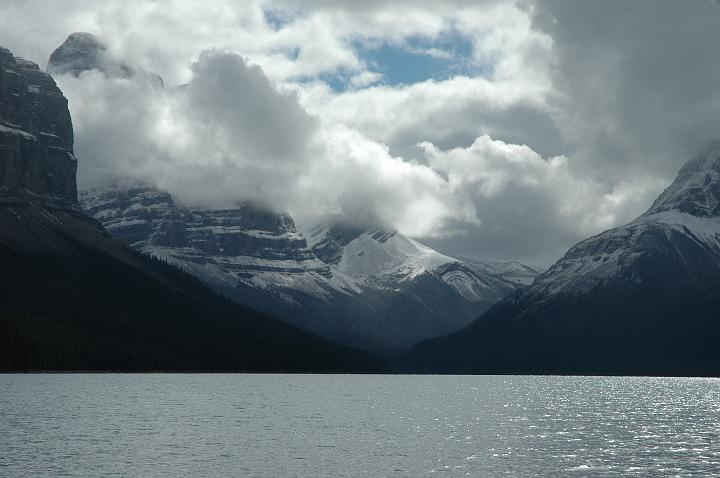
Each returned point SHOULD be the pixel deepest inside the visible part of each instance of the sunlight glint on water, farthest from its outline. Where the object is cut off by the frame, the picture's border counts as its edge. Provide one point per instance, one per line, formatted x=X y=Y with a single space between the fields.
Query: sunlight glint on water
x=309 y=425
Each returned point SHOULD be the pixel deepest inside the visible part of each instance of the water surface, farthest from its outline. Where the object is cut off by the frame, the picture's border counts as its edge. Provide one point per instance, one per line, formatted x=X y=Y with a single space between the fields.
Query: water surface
x=354 y=425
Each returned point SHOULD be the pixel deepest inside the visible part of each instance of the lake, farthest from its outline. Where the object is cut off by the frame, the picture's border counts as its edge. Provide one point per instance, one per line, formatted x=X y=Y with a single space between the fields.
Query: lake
x=357 y=425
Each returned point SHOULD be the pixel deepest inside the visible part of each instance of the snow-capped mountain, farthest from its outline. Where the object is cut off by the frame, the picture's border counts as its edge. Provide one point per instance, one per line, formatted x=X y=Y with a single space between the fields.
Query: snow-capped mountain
x=688 y=210
x=639 y=298
x=382 y=259
x=372 y=288
x=375 y=289
x=226 y=246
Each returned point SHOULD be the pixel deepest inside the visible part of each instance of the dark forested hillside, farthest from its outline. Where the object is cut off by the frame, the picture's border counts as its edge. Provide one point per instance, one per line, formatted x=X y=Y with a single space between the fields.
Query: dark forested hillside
x=93 y=312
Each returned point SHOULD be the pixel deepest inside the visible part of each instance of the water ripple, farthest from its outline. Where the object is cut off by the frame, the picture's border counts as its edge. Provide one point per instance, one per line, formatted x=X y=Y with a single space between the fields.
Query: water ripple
x=345 y=425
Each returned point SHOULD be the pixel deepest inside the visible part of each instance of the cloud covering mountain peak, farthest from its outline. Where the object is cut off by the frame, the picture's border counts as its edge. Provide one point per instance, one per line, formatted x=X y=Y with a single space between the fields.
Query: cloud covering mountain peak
x=231 y=135
x=586 y=88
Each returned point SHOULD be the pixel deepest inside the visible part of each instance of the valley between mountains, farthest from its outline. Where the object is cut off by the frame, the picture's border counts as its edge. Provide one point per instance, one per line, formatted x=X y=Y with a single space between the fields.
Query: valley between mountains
x=122 y=276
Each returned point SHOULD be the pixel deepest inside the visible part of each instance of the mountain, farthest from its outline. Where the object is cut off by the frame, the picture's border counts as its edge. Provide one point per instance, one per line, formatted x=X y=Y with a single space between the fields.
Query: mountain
x=82 y=52
x=643 y=298
x=72 y=297
x=387 y=259
x=375 y=289
x=418 y=291
x=258 y=258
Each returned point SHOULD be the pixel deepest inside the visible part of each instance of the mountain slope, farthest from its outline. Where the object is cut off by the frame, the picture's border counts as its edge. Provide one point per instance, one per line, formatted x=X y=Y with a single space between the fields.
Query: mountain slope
x=251 y=255
x=72 y=297
x=373 y=289
x=643 y=298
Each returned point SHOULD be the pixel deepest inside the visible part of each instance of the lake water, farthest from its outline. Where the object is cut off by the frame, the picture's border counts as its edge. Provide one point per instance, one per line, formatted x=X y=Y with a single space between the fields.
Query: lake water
x=354 y=425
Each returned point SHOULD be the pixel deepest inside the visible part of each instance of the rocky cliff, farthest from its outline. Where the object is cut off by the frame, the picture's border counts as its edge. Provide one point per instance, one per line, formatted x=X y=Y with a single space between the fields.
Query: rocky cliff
x=243 y=243
x=36 y=135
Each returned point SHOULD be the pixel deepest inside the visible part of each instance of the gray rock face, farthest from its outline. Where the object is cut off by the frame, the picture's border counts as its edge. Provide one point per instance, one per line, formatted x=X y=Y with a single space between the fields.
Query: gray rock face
x=48 y=225
x=36 y=135
x=243 y=240
x=373 y=289
x=39 y=212
x=85 y=52
x=329 y=248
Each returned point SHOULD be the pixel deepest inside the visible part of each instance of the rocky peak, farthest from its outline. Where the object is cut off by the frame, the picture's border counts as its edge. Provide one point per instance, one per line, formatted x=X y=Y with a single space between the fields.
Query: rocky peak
x=36 y=135
x=683 y=217
x=80 y=52
x=148 y=219
x=696 y=189
x=328 y=241
x=85 y=52
x=370 y=251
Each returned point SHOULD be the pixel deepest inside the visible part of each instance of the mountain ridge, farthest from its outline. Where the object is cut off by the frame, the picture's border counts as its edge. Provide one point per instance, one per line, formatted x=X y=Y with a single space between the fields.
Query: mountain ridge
x=359 y=286
x=641 y=298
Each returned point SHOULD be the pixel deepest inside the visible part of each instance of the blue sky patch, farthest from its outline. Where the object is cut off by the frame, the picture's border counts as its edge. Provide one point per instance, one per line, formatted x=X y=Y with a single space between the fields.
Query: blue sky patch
x=414 y=60
x=278 y=18
x=420 y=58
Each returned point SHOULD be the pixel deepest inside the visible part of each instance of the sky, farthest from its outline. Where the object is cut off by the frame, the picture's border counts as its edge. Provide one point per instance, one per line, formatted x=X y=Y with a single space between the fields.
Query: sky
x=490 y=129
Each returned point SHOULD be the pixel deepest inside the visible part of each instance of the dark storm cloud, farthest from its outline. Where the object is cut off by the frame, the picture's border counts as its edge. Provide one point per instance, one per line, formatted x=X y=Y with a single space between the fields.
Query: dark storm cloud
x=636 y=82
x=634 y=95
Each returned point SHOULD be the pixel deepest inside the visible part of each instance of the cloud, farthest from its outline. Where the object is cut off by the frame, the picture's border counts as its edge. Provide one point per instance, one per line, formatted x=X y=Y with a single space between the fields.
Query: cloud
x=447 y=113
x=528 y=207
x=635 y=83
x=236 y=109
x=563 y=119
x=363 y=183
x=208 y=143
x=208 y=139
x=230 y=135
x=365 y=79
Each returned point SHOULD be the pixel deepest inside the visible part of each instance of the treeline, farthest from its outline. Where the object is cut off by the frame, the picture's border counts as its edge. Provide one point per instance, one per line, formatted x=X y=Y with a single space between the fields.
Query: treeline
x=94 y=312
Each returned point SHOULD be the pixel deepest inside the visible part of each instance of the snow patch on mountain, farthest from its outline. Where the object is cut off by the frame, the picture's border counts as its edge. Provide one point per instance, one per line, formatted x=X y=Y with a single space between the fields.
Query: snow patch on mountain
x=8 y=130
x=383 y=259
x=687 y=208
x=243 y=245
x=696 y=190
x=377 y=252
